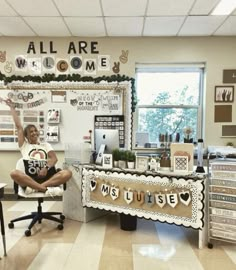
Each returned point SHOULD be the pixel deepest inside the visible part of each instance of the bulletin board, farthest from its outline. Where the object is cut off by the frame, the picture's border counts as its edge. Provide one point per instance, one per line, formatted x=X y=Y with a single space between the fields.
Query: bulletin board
x=64 y=112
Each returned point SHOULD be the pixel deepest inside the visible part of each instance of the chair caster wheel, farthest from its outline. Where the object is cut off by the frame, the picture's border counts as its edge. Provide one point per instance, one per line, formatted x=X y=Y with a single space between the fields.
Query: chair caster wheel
x=27 y=233
x=210 y=245
x=60 y=227
x=11 y=225
x=62 y=217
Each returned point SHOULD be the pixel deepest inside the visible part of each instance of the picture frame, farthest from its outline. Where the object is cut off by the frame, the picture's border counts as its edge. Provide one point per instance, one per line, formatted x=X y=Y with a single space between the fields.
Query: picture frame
x=107 y=161
x=142 y=163
x=224 y=93
x=183 y=149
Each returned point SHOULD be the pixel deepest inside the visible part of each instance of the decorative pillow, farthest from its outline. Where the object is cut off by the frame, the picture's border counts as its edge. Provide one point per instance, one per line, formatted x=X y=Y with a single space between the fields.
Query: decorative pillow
x=32 y=167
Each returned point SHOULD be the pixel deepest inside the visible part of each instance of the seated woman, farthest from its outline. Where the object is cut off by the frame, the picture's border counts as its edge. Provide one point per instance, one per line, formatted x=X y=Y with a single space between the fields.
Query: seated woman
x=39 y=157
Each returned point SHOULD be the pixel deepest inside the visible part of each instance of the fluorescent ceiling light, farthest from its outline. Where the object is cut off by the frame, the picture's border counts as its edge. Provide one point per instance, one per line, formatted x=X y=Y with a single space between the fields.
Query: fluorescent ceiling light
x=225 y=7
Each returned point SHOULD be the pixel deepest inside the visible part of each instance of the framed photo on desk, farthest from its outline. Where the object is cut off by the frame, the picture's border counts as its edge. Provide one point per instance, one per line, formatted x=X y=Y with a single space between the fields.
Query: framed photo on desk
x=142 y=163
x=107 y=161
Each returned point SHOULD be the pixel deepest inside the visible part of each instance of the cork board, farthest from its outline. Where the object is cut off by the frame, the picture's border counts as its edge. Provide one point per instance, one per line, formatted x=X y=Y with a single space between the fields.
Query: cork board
x=229 y=130
x=223 y=113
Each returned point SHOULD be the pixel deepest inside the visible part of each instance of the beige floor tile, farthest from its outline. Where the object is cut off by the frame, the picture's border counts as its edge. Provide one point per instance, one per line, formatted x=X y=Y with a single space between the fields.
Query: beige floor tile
x=102 y=245
x=145 y=233
x=116 y=263
x=158 y=252
x=149 y=263
x=51 y=256
x=184 y=264
x=218 y=264
x=116 y=249
x=230 y=250
x=84 y=256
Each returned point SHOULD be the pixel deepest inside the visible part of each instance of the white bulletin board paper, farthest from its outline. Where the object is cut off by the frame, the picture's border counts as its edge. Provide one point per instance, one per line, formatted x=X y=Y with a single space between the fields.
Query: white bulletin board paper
x=78 y=104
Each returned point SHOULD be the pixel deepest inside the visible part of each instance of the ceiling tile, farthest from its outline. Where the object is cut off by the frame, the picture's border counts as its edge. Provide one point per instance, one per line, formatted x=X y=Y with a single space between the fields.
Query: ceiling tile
x=5 y=9
x=101 y=18
x=203 y=7
x=169 y=7
x=124 y=26
x=34 y=8
x=228 y=27
x=48 y=26
x=162 y=26
x=124 y=8
x=201 y=25
x=79 y=7
x=14 y=26
x=86 y=26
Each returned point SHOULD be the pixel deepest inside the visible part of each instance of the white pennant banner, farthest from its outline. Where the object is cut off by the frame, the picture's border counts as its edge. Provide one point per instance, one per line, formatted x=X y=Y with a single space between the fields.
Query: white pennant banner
x=114 y=193
x=172 y=199
x=105 y=189
x=128 y=196
x=185 y=197
x=160 y=199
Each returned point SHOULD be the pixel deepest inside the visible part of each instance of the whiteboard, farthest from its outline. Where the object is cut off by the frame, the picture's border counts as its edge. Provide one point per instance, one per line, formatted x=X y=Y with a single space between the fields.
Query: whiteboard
x=75 y=105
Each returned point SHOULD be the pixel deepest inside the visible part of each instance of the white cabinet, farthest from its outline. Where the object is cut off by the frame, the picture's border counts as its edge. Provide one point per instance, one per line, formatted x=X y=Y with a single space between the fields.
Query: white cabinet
x=72 y=200
x=222 y=201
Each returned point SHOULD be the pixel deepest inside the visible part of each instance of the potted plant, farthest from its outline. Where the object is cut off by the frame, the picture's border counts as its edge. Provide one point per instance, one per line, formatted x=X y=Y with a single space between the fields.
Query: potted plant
x=130 y=156
x=122 y=161
x=116 y=156
x=187 y=133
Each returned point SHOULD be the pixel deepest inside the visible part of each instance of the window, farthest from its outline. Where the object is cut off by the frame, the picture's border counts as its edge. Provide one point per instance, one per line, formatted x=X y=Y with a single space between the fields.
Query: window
x=169 y=100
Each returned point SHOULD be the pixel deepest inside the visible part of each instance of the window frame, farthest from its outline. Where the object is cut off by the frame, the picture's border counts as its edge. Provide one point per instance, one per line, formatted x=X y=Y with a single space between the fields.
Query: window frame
x=187 y=67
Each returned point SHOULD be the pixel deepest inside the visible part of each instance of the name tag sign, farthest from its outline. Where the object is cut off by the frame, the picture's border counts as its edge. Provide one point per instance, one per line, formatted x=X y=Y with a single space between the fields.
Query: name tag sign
x=229 y=76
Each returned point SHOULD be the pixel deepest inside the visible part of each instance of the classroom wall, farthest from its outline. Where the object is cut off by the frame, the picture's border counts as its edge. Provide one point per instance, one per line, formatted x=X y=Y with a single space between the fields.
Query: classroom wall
x=217 y=53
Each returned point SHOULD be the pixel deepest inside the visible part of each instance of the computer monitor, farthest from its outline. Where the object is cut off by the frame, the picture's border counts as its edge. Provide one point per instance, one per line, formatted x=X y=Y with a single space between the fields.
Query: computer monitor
x=107 y=137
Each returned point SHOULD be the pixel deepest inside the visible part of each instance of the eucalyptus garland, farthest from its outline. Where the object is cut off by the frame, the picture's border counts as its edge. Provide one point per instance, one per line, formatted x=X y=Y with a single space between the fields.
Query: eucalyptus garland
x=50 y=77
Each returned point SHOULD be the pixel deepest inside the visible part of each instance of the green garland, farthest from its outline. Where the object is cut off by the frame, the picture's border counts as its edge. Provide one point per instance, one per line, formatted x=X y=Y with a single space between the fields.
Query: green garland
x=74 y=78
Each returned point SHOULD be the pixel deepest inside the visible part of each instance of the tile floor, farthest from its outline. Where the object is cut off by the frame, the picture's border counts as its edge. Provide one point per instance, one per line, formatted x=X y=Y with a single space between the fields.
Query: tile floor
x=102 y=245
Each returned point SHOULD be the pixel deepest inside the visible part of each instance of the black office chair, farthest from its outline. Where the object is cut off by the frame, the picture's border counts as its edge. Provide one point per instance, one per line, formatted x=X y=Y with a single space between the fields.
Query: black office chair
x=38 y=215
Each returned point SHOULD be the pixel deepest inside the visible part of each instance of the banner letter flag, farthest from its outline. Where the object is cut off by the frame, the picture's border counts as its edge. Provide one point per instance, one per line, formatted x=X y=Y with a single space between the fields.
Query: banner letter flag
x=93 y=184
x=114 y=193
x=105 y=189
x=160 y=199
x=185 y=197
x=172 y=199
x=139 y=197
x=128 y=196
x=149 y=199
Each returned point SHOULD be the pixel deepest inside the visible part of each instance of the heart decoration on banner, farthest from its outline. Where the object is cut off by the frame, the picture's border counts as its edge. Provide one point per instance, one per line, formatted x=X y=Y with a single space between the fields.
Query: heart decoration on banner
x=128 y=196
x=160 y=199
x=172 y=199
x=93 y=185
x=114 y=193
x=149 y=199
x=139 y=197
x=105 y=189
x=185 y=197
